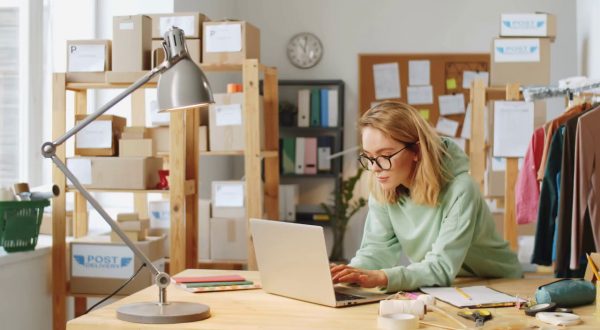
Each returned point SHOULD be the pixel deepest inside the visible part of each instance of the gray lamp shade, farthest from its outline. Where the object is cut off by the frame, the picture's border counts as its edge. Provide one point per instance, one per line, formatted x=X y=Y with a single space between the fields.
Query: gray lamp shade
x=183 y=86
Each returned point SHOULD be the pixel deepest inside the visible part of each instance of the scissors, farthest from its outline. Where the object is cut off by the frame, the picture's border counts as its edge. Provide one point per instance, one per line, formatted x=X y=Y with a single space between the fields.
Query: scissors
x=477 y=315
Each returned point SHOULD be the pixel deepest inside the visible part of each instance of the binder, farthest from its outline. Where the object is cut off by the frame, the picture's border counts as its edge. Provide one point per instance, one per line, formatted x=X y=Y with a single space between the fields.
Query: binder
x=333 y=107
x=310 y=155
x=299 y=155
x=324 y=147
x=303 y=107
x=315 y=107
x=288 y=198
x=289 y=156
x=324 y=107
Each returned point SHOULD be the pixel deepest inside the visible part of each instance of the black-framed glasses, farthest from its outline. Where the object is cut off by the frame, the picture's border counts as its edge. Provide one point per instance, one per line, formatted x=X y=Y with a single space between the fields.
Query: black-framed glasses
x=383 y=162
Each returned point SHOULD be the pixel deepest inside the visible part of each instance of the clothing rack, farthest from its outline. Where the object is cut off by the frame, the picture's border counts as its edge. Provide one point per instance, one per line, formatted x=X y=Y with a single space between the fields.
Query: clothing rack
x=543 y=92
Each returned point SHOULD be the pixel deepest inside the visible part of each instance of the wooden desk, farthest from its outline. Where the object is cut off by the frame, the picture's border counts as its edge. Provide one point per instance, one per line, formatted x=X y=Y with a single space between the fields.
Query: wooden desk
x=254 y=309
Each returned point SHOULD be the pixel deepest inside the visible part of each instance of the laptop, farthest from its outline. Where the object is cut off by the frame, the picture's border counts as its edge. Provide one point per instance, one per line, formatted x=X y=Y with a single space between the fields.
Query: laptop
x=292 y=261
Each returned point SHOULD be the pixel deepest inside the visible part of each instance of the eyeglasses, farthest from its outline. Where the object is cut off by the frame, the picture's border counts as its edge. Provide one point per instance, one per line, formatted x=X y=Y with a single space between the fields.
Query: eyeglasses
x=383 y=162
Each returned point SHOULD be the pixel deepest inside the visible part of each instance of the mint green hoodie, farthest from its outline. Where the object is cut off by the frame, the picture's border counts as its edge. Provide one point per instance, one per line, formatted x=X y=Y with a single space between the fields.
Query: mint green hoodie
x=458 y=237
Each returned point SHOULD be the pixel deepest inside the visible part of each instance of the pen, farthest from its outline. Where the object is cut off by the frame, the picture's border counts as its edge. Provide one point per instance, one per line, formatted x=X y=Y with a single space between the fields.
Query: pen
x=494 y=305
x=592 y=266
x=462 y=293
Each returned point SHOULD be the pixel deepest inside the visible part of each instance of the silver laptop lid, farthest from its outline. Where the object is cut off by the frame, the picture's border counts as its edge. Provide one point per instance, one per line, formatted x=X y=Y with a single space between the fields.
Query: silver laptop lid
x=292 y=260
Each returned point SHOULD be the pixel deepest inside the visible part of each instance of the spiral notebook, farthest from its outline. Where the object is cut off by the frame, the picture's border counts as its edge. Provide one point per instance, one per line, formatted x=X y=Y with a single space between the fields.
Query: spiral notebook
x=476 y=297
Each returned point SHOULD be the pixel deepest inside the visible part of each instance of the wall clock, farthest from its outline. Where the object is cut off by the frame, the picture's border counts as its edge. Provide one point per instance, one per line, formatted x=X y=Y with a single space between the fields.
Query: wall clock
x=304 y=50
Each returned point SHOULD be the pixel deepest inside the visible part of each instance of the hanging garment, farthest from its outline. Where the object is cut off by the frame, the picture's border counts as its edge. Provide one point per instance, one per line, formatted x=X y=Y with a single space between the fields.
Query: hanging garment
x=527 y=189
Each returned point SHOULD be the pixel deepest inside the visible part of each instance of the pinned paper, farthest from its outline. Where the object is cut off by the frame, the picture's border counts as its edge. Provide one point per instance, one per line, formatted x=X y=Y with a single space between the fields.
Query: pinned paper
x=451 y=83
x=513 y=127
x=451 y=104
x=223 y=37
x=229 y=195
x=469 y=76
x=387 y=81
x=418 y=73
x=228 y=115
x=420 y=94
x=96 y=135
x=446 y=126
x=86 y=58
x=81 y=168
x=186 y=23
x=466 y=128
x=424 y=113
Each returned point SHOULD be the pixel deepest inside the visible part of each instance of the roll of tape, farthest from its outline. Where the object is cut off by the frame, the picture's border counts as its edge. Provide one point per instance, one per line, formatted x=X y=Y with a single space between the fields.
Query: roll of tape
x=397 y=321
x=558 y=318
x=547 y=307
x=20 y=187
x=413 y=307
x=427 y=299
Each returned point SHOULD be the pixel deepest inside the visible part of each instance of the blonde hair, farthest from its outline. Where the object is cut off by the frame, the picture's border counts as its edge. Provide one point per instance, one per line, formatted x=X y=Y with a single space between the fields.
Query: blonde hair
x=403 y=123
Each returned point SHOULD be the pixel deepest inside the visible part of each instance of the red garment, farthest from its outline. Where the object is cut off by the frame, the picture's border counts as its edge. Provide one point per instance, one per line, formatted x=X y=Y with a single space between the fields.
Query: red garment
x=527 y=190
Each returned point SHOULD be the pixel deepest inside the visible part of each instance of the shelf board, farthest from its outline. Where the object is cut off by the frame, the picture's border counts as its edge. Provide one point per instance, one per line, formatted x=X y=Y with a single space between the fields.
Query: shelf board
x=310 y=129
x=265 y=153
x=158 y=191
x=316 y=176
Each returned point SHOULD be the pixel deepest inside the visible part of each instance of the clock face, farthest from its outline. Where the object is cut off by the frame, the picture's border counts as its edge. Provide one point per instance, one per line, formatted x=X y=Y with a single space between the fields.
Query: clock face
x=304 y=50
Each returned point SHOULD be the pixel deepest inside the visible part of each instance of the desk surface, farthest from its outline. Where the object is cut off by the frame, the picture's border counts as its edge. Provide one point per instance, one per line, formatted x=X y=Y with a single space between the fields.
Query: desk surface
x=252 y=309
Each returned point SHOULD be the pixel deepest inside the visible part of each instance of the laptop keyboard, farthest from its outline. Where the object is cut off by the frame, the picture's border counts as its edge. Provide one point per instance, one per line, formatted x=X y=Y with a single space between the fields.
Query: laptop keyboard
x=344 y=297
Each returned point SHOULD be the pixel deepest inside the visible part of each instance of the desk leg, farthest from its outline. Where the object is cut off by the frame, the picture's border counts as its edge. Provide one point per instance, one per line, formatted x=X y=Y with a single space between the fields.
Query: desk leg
x=80 y=306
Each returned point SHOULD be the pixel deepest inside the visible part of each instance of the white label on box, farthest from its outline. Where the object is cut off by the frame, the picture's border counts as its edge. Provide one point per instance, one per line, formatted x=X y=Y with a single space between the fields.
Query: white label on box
x=228 y=114
x=420 y=94
x=229 y=195
x=513 y=127
x=156 y=118
x=81 y=168
x=451 y=104
x=223 y=37
x=86 y=58
x=105 y=261
x=126 y=26
x=524 y=25
x=186 y=23
x=96 y=135
x=469 y=76
x=516 y=50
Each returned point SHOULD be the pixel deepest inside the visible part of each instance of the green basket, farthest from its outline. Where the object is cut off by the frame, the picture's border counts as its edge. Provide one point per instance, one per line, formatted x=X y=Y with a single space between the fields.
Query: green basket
x=20 y=224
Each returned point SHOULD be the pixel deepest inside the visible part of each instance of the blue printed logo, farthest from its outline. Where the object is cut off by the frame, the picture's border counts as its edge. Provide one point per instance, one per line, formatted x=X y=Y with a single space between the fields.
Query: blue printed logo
x=80 y=259
x=523 y=25
x=516 y=50
x=102 y=262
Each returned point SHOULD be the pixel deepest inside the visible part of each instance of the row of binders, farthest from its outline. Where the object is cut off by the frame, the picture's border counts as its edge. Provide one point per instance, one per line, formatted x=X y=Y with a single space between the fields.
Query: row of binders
x=318 y=107
x=305 y=155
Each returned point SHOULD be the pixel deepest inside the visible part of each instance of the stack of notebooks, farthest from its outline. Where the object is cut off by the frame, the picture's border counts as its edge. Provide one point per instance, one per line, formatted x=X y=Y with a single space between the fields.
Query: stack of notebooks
x=215 y=283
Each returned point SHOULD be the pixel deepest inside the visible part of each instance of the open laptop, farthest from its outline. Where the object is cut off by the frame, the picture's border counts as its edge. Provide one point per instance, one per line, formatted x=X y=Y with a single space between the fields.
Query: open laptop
x=292 y=260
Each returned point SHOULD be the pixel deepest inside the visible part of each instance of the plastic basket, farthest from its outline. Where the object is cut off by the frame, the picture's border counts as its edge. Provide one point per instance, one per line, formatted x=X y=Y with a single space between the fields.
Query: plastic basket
x=20 y=224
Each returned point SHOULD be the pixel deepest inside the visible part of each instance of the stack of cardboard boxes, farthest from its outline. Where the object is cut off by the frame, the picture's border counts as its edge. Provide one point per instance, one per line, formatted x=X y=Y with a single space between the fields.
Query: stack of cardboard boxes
x=134 y=228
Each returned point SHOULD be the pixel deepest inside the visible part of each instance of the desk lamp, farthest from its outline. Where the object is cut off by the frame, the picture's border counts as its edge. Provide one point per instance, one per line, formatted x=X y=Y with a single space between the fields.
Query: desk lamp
x=181 y=86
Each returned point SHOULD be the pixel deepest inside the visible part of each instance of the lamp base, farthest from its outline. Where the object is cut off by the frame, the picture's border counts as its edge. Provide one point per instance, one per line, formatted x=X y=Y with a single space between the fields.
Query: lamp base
x=154 y=313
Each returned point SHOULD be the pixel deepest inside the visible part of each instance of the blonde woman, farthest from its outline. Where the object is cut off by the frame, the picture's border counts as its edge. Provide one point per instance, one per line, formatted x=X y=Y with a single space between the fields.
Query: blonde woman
x=424 y=204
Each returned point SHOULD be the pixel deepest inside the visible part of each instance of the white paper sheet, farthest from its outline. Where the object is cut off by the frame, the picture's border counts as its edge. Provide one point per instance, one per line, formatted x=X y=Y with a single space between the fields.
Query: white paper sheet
x=420 y=94
x=451 y=104
x=517 y=50
x=479 y=295
x=86 y=58
x=186 y=23
x=469 y=76
x=513 y=127
x=466 y=128
x=81 y=168
x=97 y=135
x=223 y=37
x=229 y=195
x=446 y=126
x=418 y=73
x=228 y=115
x=387 y=81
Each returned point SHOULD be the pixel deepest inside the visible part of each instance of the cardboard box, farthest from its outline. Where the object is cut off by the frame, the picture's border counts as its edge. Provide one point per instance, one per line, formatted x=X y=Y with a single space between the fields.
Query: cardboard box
x=134 y=235
x=189 y=22
x=528 y=25
x=228 y=239
x=520 y=60
x=136 y=148
x=138 y=225
x=125 y=217
x=228 y=199
x=46 y=225
x=116 y=172
x=100 y=137
x=159 y=213
x=161 y=139
x=132 y=43
x=194 y=47
x=226 y=122
x=229 y=42
x=88 y=55
x=99 y=266
x=528 y=229
x=203 y=139
x=204 y=229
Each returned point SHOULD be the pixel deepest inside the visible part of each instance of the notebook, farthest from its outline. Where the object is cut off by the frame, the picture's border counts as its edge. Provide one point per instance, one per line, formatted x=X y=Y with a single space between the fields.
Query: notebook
x=481 y=297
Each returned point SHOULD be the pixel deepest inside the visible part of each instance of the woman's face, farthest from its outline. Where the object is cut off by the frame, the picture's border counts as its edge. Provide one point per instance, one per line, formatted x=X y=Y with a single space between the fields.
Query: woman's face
x=376 y=144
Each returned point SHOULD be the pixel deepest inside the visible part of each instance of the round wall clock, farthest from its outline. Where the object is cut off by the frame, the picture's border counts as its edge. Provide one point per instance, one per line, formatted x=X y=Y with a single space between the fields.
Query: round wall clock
x=304 y=50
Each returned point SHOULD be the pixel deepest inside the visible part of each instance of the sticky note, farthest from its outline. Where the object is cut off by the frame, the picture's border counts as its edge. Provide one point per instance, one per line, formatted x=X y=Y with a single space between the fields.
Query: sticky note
x=451 y=83
x=424 y=113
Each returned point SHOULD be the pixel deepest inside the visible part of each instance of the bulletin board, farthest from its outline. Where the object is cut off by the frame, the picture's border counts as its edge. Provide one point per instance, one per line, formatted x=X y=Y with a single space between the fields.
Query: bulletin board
x=445 y=75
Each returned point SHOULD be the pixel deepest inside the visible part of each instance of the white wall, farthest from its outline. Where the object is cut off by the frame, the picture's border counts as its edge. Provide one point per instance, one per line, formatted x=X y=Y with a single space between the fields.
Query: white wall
x=588 y=38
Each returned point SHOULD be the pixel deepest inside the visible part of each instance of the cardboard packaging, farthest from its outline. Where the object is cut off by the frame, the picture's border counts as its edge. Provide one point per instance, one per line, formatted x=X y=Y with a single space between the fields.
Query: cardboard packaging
x=46 y=225
x=189 y=22
x=528 y=25
x=159 y=213
x=116 y=172
x=100 y=137
x=228 y=199
x=161 y=139
x=226 y=122
x=204 y=229
x=194 y=47
x=229 y=42
x=88 y=55
x=132 y=43
x=136 y=148
x=228 y=239
x=99 y=266
x=136 y=132
x=528 y=229
x=520 y=60
x=134 y=235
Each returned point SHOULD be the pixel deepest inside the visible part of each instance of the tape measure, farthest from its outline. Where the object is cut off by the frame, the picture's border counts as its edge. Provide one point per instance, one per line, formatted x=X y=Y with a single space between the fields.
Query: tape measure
x=558 y=318
x=533 y=310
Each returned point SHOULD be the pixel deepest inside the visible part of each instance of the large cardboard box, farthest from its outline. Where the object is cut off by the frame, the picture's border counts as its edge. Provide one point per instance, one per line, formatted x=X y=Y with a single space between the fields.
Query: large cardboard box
x=194 y=47
x=88 y=55
x=132 y=43
x=229 y=42
x=520 y=60
x=226 y=119
x=99 y=266
x=228 y=239
x=528 y=25
x=116 y=172
x=99 y=138
x=161 y=139
x=228 y=199
x=189 y=22
x=136 y=148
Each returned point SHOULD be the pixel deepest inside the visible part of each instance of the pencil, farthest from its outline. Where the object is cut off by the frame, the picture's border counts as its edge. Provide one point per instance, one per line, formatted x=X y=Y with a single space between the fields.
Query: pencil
x=593 y=266
x=462 y=293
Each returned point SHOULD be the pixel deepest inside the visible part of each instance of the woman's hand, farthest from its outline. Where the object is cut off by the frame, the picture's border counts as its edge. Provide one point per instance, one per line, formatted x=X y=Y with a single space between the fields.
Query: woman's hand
x=363 y=277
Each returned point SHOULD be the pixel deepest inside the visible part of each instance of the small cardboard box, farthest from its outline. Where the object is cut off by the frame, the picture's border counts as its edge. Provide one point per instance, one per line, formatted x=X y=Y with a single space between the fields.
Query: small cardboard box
x=136 y=148
x=116 y=172
x=189 y=22
x=229 y=42
x=520 y=60
x=228 y=199
x=194 y=47
x=100 y=137
x=528 y=25
x=88 y=55
x=161 y=139
x=204 y=229
x=132 y=43
x=133 y=235
x=136 y=132
x=46 y=225
x=528 y=229
x=228 y=239
x=226 y=122
x=99 y=266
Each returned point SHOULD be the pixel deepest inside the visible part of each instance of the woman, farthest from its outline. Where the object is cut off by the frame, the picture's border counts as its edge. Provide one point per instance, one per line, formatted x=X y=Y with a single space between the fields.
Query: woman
x=423 y=203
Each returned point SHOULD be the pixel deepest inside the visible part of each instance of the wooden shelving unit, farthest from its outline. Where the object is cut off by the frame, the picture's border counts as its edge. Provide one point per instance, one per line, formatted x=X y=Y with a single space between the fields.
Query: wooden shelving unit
x=184 y=170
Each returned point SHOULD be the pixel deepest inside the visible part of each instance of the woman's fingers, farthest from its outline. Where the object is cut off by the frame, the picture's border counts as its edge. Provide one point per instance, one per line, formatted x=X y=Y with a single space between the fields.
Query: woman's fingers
x=338 y=275
x=337 y=268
